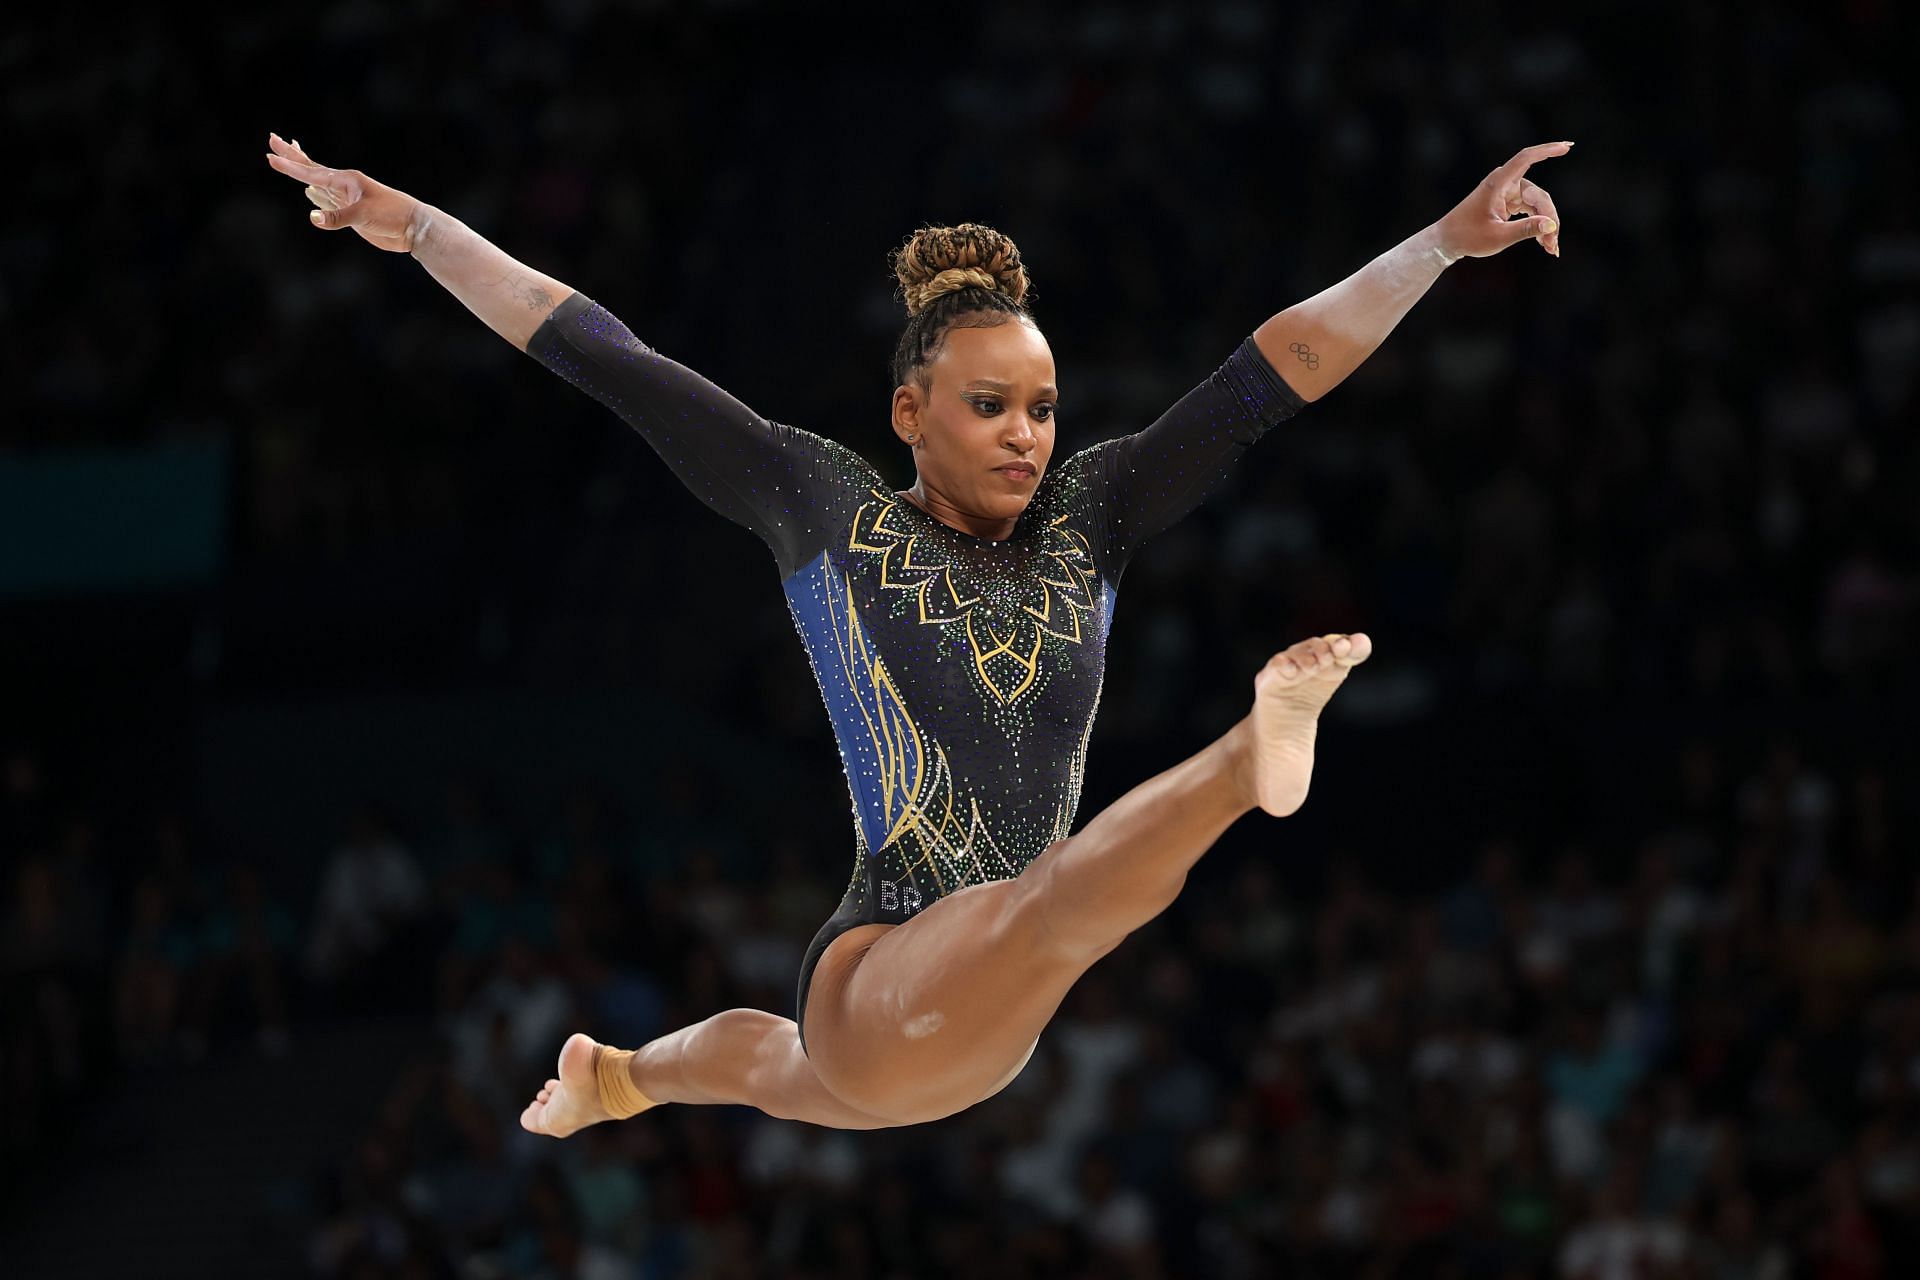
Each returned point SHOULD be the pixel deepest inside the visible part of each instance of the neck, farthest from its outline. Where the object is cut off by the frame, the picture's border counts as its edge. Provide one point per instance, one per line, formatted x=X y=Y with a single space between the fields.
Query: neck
x=937 y=505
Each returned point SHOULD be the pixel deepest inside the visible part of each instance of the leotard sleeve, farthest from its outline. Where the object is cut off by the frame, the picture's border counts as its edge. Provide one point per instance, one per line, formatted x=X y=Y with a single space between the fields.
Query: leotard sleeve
x=789 y=486
x=1154 y=477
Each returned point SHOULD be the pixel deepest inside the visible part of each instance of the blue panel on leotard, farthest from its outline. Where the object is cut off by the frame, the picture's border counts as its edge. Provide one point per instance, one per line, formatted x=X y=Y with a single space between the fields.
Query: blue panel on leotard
x=881 y=747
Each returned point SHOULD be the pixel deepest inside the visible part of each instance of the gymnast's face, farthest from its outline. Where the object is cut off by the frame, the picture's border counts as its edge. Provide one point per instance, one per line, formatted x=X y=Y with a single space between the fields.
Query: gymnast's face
x=984 y=424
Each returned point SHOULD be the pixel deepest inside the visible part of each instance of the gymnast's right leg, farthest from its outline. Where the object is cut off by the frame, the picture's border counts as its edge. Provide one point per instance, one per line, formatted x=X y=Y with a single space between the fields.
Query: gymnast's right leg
x=744 y=1056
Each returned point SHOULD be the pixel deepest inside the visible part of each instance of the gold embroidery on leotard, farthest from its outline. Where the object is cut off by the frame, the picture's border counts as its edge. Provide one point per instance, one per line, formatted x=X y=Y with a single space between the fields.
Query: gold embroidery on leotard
x=1058 y=592
x=916 y=785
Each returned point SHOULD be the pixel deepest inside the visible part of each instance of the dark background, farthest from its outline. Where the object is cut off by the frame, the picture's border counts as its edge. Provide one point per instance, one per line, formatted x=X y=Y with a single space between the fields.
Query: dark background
x=1596 y=951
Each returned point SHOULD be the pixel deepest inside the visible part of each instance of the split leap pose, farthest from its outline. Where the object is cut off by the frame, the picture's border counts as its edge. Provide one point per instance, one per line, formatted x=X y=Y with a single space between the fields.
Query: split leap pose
x=958 y=632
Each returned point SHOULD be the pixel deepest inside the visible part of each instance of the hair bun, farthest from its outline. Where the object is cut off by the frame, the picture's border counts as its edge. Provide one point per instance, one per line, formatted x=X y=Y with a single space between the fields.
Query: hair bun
x=940 y=260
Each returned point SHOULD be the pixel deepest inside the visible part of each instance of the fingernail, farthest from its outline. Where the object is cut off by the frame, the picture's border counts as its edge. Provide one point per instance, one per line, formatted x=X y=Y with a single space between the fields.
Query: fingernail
x=1566 y=144
x=1553 y=225
x=315 y=217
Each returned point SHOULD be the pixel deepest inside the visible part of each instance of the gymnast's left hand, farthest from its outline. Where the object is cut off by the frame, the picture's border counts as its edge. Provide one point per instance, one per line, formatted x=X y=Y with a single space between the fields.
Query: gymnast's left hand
x=1484 y=223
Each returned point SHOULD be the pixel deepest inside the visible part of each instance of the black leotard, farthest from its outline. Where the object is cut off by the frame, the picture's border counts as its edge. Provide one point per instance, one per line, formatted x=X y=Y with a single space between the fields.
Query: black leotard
x=961 y=674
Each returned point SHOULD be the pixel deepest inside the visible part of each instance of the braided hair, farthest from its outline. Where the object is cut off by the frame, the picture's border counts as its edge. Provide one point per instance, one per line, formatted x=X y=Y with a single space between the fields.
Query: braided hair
x=964 y=277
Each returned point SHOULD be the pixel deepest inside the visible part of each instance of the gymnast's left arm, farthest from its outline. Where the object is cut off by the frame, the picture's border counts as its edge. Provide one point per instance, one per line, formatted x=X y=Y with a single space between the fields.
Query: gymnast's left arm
x=1315 y=344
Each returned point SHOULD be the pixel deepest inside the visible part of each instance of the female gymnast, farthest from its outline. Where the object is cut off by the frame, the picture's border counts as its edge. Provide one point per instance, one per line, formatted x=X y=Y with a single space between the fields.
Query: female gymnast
x=958 y=632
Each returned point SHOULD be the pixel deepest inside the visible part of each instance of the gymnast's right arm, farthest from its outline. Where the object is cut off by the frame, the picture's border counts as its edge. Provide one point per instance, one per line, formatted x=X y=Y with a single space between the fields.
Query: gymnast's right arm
x=783 y=483
x=510 y=296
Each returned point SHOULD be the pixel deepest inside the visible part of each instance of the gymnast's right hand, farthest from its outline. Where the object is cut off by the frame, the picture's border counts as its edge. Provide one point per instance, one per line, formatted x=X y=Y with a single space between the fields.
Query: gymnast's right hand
x=385 y=218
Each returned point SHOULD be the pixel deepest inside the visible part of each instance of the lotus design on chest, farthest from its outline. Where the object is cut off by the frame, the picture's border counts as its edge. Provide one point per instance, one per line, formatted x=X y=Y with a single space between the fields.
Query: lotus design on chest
x=1003 y=606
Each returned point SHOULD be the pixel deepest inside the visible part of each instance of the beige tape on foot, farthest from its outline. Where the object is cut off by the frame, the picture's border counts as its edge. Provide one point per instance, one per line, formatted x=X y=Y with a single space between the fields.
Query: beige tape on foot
x=617 y=1093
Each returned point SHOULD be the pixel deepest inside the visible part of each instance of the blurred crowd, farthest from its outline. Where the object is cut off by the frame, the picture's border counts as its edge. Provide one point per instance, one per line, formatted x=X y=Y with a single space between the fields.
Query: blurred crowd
x=1671 y=472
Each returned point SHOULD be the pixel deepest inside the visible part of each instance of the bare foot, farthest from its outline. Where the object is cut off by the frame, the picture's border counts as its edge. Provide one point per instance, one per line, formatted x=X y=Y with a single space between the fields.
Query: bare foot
x=1288 y=695
x=572 y=1102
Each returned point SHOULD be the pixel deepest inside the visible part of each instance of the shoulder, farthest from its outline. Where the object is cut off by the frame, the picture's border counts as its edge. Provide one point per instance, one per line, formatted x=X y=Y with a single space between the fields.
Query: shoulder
x=1082 y=467
x=845 y=467
x=853 y=462
x=832 y=460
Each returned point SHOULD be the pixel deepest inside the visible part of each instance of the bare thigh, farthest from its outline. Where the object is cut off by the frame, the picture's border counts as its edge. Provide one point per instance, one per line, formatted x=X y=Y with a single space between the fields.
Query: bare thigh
x=916 y=1021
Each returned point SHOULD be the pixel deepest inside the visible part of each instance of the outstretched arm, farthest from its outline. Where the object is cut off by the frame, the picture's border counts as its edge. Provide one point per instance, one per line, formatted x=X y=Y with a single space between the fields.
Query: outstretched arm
x=787 y=485
x=510 y=296
x=1315 y=344
x=1156 y=476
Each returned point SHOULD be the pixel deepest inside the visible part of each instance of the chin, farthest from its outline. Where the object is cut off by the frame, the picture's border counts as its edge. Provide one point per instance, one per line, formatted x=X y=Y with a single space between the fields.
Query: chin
x=1016 y=505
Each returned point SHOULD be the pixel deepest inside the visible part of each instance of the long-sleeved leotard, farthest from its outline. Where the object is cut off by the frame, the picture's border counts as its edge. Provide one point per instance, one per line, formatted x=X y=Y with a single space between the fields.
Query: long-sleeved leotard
x=961 y=674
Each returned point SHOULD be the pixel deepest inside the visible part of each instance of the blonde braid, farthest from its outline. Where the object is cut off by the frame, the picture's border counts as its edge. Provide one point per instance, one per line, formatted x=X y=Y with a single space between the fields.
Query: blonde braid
x=966 y=276
x=941 y=260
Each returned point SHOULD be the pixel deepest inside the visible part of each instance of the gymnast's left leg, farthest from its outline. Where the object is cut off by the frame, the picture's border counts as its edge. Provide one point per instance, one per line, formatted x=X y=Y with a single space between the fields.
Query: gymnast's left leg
x=937 y=1012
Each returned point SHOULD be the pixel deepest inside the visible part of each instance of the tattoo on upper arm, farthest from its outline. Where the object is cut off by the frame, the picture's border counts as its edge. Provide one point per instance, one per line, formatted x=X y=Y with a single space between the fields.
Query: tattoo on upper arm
x=1307 y=356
